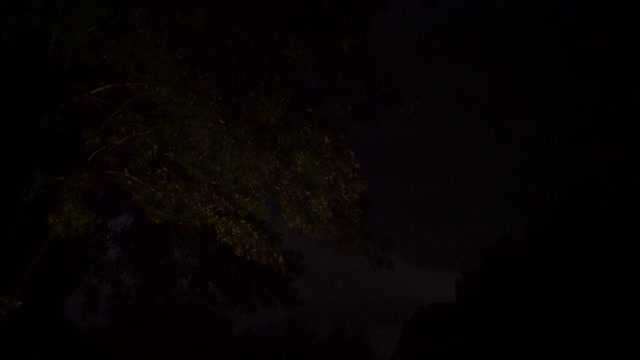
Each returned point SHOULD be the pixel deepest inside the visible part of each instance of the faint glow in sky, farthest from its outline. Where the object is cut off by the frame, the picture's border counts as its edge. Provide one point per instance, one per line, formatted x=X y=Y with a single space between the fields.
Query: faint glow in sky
x=339 y=286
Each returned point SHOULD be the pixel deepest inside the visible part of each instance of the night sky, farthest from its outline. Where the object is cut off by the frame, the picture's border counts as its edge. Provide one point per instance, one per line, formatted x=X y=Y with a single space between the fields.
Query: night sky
x=493 y=136
x=504 y=108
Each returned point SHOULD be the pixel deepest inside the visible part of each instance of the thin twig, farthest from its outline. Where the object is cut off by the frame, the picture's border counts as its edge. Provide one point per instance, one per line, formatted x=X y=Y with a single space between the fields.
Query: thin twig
x=106 y=87
x=123 y=140
x=32 y=265
x=95 y=152
x=53 y=40
x=175 y=236
x=109 y=86
x=125 y=174
x=114 y=114
x=296 y=57
x=112 y=146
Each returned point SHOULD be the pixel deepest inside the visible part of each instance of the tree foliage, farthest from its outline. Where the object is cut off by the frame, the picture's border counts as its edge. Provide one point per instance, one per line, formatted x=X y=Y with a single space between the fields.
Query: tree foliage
x=213 y=117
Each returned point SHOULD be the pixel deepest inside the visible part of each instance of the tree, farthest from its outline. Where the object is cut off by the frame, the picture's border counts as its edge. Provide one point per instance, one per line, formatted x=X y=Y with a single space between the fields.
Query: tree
x=210 y=118
x=561 y=291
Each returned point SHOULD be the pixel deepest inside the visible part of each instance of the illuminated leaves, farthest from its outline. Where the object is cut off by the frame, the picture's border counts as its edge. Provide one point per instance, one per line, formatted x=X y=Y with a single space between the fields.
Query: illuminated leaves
x=201 y=172
x=206 y=124
x=71 y=217
x=7 y=305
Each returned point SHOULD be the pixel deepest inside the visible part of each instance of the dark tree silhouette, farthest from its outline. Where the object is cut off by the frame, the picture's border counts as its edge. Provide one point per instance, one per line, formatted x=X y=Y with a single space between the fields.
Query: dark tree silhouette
x=205 y=116
x=295 y=340
x=151 y=152
x=564 y=291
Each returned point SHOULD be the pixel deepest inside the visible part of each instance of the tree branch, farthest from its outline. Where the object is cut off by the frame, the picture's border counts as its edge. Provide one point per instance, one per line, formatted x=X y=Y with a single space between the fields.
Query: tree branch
x=32 y=265
x=298 y=58
x=114 y=114
x=106 y=87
